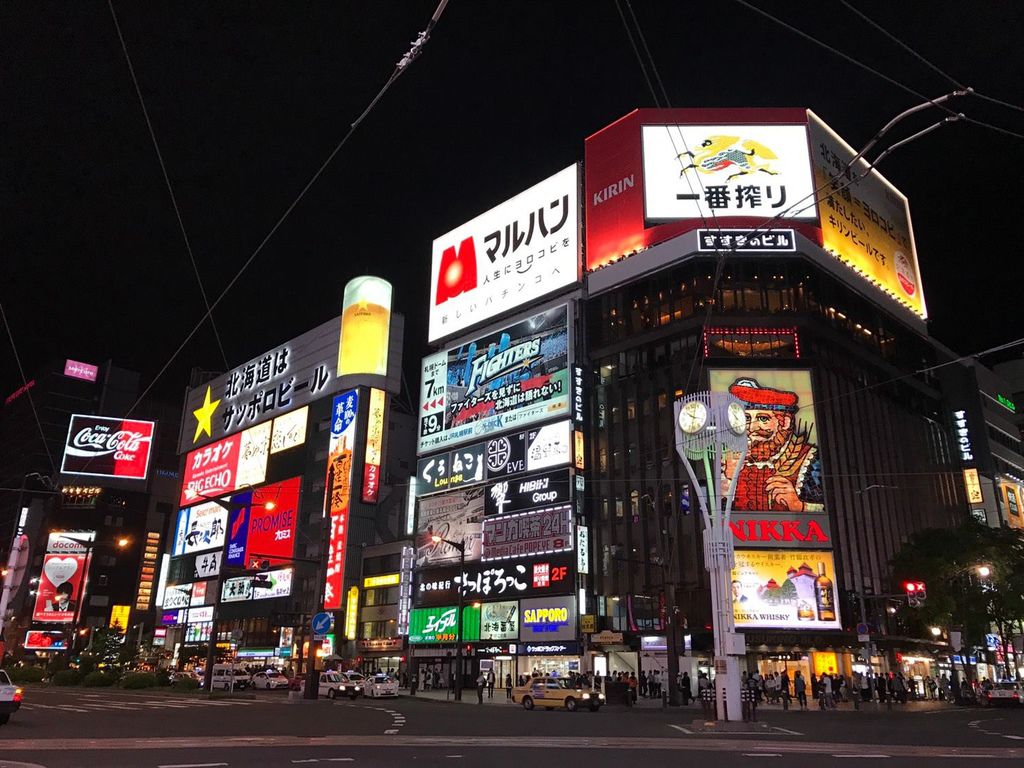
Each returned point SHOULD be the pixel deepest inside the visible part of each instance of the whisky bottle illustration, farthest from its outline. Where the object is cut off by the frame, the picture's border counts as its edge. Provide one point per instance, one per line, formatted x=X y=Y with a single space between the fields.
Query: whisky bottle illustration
x=825 y=595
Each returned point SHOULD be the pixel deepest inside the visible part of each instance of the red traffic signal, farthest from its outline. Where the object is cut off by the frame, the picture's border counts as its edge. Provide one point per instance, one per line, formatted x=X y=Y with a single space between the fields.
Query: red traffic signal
x=916 y=593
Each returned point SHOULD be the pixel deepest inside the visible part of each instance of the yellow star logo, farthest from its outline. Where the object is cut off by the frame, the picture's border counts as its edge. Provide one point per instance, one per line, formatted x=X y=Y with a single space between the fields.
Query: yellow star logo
x=203 y=416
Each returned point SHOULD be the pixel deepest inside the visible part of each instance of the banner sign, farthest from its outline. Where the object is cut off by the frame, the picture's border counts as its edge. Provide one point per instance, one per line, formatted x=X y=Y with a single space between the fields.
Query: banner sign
x=236 y=589
x=528 y=577
x=454 y=469
x=530 y=492
x=582 y=549
x=338 y=492
x=543 y=532
x=509 y=378
x=548 y=618
x=499 y=621
x=374 y=446
x=264 y=528
x=454 y=516
x=100 y=446
x=782 y=589
x=437 y=625
x=509 y=256
x=199 y=528
x=84 y=371
x=774 y=530
x=177 y=596
x=287 y=377
x=571 y=648
x=45 y=640
x=60 y=587
x=289 y=430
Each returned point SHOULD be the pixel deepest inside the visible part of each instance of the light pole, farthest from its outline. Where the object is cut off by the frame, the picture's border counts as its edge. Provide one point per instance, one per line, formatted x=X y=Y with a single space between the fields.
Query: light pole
x=461 y=546
x=709 y=427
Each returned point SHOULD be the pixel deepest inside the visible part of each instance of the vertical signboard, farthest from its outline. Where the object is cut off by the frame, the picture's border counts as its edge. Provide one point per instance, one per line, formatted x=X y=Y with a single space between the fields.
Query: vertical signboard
x=374 y=446
x=338 y=492
x=63 y=576
x=365 y=326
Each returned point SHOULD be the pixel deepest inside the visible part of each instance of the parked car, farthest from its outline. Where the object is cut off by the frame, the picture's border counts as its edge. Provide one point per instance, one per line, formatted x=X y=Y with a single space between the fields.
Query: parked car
x=1006 y=693
x=185 y=674
x=380 y=685
x=552 y=692
x=229 y=677
x=330 y=685
x=353 y=685
x=10 y=697
x=269 y=680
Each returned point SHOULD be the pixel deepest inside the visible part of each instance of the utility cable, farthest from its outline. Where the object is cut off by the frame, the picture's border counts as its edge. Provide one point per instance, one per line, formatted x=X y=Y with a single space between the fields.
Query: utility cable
x=28 y=390
x=872 y=70
x=400 y=68
x=923 y=60
x=167 y=181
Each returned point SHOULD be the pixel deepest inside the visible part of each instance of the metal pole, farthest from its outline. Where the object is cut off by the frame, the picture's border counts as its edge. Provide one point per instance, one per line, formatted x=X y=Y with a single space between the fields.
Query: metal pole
x=211 y=645
x=869 y=672
x=312 y=688
x=458 y=624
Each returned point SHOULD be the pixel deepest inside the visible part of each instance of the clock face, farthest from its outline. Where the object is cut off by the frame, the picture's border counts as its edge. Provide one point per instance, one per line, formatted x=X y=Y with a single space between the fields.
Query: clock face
x=737 y=418
x=693 y=416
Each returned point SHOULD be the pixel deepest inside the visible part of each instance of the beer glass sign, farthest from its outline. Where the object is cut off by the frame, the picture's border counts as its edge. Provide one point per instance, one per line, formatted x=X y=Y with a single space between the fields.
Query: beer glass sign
x=365 y=325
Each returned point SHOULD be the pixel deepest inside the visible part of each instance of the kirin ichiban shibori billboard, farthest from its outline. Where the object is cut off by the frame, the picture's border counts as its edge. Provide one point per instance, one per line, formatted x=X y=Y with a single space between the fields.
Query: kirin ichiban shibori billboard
x=507 y=379
x=512 y=255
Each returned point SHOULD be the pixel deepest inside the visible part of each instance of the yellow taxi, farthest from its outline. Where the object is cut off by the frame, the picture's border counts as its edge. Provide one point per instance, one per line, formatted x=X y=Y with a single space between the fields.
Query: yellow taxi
x=552 y=692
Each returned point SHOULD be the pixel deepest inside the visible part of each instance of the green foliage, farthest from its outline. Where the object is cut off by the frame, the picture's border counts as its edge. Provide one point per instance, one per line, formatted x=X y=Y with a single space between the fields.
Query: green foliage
x=137 y=680
x=98 y=680
x=66 y=677
x=163 y=677
x=26 y=674
x=186 y=684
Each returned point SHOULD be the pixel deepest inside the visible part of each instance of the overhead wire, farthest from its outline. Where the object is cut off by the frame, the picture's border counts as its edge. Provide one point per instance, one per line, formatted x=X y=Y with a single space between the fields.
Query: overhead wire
x=27 y=389
x=896 y=39
x=167 y=181
x=400 y=68
x=872 y=70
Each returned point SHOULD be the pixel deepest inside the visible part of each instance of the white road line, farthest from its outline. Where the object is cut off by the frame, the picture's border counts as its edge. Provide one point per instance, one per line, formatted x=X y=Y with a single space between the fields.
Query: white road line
x=680 y=728
x=391 y=731
x=191 y=765
x=453 y=755
x=313 y=760
x=340 y=759
x=861 y=757
x=762 y=754
x=1008 y=736
x=69 y=708
x=786 y=730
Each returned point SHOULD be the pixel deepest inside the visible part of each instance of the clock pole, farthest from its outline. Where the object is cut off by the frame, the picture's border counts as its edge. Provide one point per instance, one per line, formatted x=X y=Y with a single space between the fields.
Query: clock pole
x=710 y=427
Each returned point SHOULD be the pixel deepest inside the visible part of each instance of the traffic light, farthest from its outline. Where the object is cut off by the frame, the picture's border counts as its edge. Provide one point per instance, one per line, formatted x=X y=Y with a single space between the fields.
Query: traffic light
x=916 y=593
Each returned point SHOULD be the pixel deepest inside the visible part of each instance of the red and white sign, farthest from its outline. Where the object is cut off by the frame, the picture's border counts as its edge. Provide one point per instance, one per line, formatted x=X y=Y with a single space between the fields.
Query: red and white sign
x=45 y=640
x=723 y=156
x=264 y=530
x=101 y=446
x=211 y=471
x=77 y=370
x=338 y=493
x=60 y=588
x=509 y=256
x=374 y=447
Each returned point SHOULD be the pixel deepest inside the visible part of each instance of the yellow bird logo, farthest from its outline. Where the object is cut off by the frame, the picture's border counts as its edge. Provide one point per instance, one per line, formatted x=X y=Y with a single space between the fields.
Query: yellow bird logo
x=722 y=153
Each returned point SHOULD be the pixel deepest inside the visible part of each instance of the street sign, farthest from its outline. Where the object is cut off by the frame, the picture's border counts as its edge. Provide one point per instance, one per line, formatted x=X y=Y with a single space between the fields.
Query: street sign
x=862 y=629
x=863 y=638
x=321 y=624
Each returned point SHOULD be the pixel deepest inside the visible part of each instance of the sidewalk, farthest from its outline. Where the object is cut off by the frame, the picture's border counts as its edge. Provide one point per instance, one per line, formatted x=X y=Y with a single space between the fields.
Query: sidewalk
x=469 y=697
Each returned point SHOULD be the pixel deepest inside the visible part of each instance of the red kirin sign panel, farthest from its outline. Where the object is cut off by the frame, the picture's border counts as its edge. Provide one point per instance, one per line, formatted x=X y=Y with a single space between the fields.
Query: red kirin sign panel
x=101 y=446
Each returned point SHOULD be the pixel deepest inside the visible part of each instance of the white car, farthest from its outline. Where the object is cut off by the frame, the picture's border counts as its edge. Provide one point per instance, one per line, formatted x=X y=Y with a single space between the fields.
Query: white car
x=353 y=685
x=381 y=685
x=269 y=680
x=330 y=685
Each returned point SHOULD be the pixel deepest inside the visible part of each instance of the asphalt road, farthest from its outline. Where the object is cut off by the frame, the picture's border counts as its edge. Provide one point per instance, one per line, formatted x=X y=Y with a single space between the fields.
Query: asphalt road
x=88 y=728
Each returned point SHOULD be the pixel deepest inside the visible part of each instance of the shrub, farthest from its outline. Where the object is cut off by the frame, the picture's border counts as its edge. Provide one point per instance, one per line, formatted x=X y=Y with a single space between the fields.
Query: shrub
x=186 y=684
x=26 y=674
x=163 y=677
x=98 y=680
x=66 y=677
x=136 y=680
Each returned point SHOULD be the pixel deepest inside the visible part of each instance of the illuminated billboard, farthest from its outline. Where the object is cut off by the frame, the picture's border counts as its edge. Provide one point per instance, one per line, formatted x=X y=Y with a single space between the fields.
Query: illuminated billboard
x=502 y=580
x=338 y=492
x=499 y=621
x=454 y=516
x=437 y=625
x=227 y=465
x=547 y=618
x=63 y=576
x=865 y=220
x=289 y=430
x=84 y=371
x=696 y=171
x=374 y=446
x=509 y=256
x=365 y=327
x=45 y=640
x=785 y=589
x=101 y=446
x=783 y=469
x=263 y=527
x=543 y=532
x=509 y=378
x=200 y=528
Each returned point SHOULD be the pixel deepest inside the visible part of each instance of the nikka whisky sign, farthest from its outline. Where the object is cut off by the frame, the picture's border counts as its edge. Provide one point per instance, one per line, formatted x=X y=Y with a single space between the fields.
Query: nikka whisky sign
x=777 y=530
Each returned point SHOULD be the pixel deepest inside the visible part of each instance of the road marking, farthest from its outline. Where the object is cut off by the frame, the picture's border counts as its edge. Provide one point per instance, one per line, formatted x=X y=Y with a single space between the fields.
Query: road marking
x=762 y=754
x=859 y=757
x=680 y=728
x=191 y=765
x=312 y=760
x=391 y=731
x=453 y=755
x=340 y=759
x=69 y=708
x=786 y=730
x=1008 y=736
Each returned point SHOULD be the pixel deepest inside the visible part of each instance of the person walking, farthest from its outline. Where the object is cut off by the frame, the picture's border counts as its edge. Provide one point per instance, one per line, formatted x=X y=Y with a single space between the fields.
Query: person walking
x=684 y=686
x=642 y=683
x=508 y=686
x=784 y=688
x=815 y=689
x=412 y=684
x=481 y=683
x=633 y=684
x=827 y=700
x=800 y=689
x=490 y=683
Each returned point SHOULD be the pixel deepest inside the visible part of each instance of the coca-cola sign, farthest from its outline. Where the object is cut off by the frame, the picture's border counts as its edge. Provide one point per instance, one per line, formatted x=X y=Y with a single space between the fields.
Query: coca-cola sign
x=102 y=446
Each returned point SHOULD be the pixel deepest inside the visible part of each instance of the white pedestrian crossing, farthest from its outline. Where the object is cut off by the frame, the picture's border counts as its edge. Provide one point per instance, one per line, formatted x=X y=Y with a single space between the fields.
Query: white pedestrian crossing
x=92 y=703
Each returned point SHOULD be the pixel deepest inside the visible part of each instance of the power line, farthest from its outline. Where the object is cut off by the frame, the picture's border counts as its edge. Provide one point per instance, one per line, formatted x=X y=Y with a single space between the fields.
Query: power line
x=923 y=60
x=167 y=181
x=400 y=68
x=28 y=389
x=872 y=70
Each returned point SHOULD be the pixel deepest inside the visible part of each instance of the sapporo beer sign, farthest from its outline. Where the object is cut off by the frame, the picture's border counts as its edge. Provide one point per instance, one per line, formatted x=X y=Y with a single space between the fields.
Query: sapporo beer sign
x=510 y=378
x=101 y=446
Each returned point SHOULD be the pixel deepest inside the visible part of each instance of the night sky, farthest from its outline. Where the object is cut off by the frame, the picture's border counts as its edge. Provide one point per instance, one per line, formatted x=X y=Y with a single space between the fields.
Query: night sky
x=248 y=99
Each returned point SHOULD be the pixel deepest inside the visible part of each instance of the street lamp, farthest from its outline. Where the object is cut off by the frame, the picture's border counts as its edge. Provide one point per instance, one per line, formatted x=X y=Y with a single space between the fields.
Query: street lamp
x=936 y=632
x=461 y=547
x=984 y=571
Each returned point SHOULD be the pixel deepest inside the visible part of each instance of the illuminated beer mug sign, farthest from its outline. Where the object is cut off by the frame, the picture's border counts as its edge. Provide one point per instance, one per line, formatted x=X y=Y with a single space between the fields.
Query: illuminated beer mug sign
x=365 y=324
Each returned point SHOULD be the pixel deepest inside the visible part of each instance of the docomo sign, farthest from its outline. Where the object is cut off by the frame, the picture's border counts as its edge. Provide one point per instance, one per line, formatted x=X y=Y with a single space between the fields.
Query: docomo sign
x=101 y=446
x=515 y=253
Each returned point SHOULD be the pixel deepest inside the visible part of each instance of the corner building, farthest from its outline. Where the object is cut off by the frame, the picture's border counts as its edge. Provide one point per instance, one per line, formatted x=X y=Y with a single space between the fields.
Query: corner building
x=817 y=322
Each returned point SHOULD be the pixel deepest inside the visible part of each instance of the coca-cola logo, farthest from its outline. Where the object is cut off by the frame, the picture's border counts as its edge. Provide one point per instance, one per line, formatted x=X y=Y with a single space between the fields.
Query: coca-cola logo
x=99 y=440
